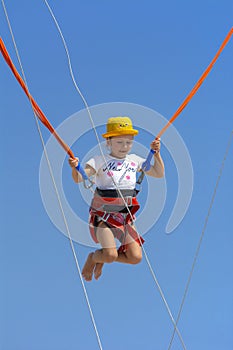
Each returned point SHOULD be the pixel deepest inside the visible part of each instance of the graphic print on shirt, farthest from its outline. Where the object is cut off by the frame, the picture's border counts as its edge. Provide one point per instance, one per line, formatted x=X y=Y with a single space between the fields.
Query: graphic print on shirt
x=112 y=172
x=124 y=170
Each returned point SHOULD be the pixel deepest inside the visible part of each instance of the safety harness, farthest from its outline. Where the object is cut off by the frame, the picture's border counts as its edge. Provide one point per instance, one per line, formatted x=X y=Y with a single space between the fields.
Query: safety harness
x=109 y=207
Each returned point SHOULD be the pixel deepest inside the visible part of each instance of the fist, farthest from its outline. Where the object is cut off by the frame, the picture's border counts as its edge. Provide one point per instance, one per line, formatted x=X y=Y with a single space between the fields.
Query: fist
x=73 y=162
x=155 y=145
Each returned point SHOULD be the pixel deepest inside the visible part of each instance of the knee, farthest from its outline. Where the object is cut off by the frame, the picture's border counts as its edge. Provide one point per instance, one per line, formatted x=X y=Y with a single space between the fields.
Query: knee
x=135 y=258
x=110 y=255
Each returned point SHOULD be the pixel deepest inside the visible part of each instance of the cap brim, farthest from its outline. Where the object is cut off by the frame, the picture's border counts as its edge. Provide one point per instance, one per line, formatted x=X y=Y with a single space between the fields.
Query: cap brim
x=127 y=132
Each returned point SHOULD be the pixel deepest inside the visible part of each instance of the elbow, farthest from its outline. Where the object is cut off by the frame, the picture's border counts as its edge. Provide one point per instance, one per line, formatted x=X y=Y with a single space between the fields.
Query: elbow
x=77 y=179
x=161 y=174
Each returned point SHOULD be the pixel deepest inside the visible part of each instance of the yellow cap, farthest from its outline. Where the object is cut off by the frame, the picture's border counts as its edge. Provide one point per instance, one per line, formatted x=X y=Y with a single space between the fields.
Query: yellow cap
x=119 y=126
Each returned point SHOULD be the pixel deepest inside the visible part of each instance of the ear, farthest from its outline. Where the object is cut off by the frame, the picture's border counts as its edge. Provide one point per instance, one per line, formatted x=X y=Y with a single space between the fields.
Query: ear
x=108 y=142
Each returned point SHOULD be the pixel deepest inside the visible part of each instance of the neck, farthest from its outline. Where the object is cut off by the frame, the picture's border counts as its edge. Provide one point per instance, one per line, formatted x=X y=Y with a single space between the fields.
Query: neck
x=118 y=157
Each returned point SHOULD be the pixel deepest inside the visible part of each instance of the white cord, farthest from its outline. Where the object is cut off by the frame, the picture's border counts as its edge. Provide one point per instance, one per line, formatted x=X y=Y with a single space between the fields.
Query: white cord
x=54 y=184
x=102 y=153
x=202 y=236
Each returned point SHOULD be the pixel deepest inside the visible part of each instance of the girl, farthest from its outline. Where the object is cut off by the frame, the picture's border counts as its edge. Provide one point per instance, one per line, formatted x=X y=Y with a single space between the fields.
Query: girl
x=114 y=203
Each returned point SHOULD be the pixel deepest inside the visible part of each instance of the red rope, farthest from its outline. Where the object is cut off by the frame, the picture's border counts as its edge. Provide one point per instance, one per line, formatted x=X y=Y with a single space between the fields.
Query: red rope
x=35 y=106
x=45 y=121
x=197 y=85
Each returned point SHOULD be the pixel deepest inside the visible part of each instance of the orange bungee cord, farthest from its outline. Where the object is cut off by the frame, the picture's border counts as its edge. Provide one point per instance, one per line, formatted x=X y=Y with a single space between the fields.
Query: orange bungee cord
x=198 y=84
x=39 y=113
x=146 y=164
x=44 y=120
x=35 y=106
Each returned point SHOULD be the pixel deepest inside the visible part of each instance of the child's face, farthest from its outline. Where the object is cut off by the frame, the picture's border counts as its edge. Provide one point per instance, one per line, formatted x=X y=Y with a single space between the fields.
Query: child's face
x=120 y=145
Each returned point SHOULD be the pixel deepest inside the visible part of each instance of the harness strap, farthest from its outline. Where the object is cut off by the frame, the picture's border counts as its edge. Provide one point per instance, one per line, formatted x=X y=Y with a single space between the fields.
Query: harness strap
x=115 y=204
x=115 y=219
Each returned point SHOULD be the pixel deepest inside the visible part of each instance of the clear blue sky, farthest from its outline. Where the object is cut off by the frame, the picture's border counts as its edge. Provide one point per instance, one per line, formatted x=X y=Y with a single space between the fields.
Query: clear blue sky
x=148 y=53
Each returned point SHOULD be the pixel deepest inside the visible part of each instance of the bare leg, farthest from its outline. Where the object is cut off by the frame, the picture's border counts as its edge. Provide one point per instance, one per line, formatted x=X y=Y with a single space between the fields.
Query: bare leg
x=88 y=268
x=109 y=254
x=133 y=255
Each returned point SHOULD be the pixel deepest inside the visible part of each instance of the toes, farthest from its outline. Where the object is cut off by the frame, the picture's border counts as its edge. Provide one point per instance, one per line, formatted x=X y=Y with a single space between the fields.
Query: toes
x=88 y=268
x=87 y=277
x=98 y=270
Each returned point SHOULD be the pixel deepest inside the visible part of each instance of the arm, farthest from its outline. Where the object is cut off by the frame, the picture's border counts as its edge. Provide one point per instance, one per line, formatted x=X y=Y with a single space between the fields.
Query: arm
x=77 y=177
x=157 y=169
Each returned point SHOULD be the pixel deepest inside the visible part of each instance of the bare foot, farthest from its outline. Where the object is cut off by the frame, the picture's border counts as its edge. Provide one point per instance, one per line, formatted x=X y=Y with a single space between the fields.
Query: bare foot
x=88 y=268
x=98 y=270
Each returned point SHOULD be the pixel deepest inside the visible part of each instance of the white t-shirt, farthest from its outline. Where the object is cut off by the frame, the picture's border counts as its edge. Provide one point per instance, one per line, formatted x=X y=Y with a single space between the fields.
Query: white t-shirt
x=117 y=173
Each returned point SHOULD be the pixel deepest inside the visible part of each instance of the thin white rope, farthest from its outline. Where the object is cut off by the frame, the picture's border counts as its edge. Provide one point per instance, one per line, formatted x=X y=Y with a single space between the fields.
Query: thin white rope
x=83 y=99
x=117 y=187
x=202 y=235
x=72 y=74
x=85 y=103
x=54 y=183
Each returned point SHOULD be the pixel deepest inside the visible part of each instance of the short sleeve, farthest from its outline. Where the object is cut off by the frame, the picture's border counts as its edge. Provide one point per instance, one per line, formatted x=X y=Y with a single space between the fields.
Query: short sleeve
x=92 y=162
x=138 y=160
x=96 y=162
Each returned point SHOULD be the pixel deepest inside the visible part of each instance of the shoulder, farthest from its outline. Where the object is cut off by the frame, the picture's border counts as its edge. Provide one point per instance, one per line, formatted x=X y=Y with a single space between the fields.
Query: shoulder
x=137 y=160
x=97 y=161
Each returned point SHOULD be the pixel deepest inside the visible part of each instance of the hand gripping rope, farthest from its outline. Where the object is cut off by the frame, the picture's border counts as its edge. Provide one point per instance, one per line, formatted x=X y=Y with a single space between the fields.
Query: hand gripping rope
x=56 y=189
x=146 y=166
x=40 y=116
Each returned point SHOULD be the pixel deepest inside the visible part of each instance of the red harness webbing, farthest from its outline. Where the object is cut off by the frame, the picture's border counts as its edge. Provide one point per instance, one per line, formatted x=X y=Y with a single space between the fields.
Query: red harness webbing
x=122 y=224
